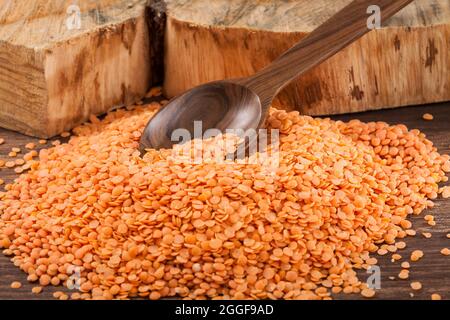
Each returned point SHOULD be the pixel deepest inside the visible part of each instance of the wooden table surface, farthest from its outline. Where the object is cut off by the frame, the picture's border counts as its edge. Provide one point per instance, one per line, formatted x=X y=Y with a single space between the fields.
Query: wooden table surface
x=433 y=271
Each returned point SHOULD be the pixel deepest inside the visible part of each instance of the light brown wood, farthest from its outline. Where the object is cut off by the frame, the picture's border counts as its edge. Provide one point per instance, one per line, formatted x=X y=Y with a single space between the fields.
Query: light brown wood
x=53 y=77
x=406 y=62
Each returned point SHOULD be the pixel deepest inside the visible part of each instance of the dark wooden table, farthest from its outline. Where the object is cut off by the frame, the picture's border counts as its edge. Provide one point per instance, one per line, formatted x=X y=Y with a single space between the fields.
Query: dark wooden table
x=433 y=271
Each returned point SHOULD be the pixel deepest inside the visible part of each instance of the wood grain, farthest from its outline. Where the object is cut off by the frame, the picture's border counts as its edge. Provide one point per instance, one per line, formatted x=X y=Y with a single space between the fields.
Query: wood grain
x=406 y=62
x=433 y=271
x=342 y=29
x=53 y=77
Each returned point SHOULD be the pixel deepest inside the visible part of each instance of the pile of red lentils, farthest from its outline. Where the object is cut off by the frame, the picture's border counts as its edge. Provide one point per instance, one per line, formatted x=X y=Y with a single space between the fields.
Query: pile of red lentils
x=152 y=227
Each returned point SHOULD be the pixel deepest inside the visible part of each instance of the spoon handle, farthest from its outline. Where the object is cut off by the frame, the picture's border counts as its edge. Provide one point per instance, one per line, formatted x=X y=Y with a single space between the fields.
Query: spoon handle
x=338 y=32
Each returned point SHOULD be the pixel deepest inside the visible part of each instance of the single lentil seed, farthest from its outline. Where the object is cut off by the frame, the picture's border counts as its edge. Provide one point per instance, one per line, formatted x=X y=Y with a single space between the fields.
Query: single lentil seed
x=30 y=146
x=368 y=293
x=416 y=285
x=9 y=164
x=436 y=296
x=405 y=265
x=445 y=191
x=36 y=290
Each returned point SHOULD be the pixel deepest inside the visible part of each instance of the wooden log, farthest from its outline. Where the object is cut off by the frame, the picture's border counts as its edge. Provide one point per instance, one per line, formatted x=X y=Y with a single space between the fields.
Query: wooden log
x=55 y=72
x=405 y=62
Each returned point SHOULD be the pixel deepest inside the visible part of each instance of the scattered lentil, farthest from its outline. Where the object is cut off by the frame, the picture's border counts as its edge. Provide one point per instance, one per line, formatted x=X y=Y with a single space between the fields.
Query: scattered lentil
x=9 y=164
x=401 y=245
x=416 y=255
x=416 y=285
x=16 y=285
x=154 y=92
x=445 y=252
x=2 y=141
x=428 y=116
x=404 y=274
x=36 y=290
x=427 y=235
x=30 y=146
x=405 y=265
x=445 y=191
x=436 y=296
x=396 y=257
x=156 y=227
x=368 y=293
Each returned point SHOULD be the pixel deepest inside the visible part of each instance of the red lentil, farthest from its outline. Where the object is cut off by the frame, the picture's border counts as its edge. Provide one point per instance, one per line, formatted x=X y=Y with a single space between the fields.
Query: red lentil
x=154 y=227
x=445 y=191
x=10 y=164
x=405 y=265
x=36 y=290
x=416 y=255
x=30 y=146
x=368 y=293
x=416 y=285
x=404 y=274
x=436 y=296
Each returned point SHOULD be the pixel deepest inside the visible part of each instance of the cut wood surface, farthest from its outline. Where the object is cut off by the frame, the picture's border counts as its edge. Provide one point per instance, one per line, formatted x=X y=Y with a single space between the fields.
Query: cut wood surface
x=52 y=77
x=405 y=62
x=54 y=73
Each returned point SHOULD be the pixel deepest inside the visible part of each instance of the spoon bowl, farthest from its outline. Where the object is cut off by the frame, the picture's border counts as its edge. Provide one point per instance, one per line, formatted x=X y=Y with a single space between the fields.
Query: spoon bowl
x=244 y=103
x=218 y=105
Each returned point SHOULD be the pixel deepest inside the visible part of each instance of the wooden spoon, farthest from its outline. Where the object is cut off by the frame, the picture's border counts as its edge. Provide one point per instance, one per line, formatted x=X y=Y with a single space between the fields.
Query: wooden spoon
x=244 y=103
